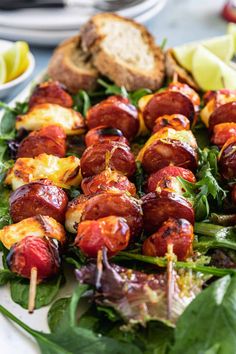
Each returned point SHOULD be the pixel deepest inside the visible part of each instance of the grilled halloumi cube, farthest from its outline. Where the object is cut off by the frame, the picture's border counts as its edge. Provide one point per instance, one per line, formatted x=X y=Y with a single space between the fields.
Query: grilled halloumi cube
x=46 y=114
x=40 y=226
x=63 y=172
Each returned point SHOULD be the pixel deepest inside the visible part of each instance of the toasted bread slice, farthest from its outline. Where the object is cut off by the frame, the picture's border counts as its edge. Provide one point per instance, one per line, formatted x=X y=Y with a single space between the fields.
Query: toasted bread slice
x=72 y=67
x=124 y=51
x=173 y=68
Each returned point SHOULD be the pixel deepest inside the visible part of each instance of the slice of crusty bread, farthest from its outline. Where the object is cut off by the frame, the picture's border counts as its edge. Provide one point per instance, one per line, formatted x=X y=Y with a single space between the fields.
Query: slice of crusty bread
x=71 y=66
x=124 y=51
x=173 y=68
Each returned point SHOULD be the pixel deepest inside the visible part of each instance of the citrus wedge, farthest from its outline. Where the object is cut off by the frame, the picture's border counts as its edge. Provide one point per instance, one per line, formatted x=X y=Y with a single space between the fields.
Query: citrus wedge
x=222 y=47
x=231 y=29
x=3 y=71
x=210 y=72
x=16 y=59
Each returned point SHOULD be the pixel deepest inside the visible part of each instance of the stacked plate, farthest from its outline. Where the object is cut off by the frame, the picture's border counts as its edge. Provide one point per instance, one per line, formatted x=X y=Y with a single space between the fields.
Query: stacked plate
x=50 y=26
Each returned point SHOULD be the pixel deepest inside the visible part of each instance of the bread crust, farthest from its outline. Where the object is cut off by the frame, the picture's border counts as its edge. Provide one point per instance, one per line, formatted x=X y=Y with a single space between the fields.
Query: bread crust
x=118 y=71
x=172 y=67
x=63 y=69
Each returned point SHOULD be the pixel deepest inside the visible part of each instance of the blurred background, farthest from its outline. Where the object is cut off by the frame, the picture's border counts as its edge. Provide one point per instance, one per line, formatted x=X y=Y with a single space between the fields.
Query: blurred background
x=178 y=21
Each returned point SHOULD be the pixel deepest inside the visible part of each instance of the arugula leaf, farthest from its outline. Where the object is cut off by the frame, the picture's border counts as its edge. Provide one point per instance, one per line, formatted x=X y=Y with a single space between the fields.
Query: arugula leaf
x=207 y=190
x=139 y=179
x=46 y=292
x=82 y=102
x=134 y=97
x=208 y=324
x=71 y=339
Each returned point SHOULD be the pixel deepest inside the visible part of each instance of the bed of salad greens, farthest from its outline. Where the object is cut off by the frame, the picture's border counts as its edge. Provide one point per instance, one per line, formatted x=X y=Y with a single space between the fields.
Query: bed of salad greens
x=208 y=324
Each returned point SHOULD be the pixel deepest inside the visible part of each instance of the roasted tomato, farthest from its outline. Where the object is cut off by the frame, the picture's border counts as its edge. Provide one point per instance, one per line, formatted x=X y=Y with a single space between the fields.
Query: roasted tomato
x=168 y=102
x=40 y=226
x=222 y=132
x=175 y=121
x=104 y=134
x=50 y=92
x=169 y=147
x=227 y=159
x=111 y=232
x=114 y=155
x=223 y=114
x=107 y=180
x=32 y=251
x=158 y=207
x=178 y=232
x=105 y=204
x=50 y=140
x=38 y=198
x=116 y=112
x=186 y=90
x=166 y=179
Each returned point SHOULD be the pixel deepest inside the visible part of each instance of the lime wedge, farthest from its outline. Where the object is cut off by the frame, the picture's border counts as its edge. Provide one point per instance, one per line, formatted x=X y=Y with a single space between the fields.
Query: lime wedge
x=16 y=59
x=3 y=71
x=210 y=72
x=231 y=29
x=222 y=47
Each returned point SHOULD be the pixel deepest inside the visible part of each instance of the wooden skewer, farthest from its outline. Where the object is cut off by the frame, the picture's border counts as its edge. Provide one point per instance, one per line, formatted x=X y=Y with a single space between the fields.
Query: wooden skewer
x=175 y=77
x=170 y=279
x=99 y=269
x=32 y=289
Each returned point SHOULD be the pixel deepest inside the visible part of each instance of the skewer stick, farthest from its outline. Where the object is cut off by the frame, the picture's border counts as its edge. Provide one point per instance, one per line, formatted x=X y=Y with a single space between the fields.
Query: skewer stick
x=99 y=269
x=32 y=289
x=175 y=77
x=170 y=279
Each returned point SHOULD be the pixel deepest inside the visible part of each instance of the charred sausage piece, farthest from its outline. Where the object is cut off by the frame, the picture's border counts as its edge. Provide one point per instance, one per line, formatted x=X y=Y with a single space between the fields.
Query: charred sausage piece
x=186 y=90
x=166 y=179
x=114 y=155
x=233 y=194
x=38 y=198
x=116 y=112
x=175 y=121
x=33 y=251
x=178 y=232
x=226 y=113
x=104 y=134
x=227 y=159
x=222 y=132
x=50 y=92
x=168 y=102
x=158 y=207
x=111 y=232
x=107 y=180
x=105 y=204
x=50 y=140
x=169 y=147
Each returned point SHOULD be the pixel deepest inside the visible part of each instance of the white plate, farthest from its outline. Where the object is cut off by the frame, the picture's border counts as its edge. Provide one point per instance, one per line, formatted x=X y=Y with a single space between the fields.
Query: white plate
x=63 y=19
x=53 y=37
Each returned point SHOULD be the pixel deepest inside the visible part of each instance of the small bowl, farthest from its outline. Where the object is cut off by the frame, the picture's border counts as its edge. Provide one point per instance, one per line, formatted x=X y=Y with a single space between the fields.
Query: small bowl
x=7 y=88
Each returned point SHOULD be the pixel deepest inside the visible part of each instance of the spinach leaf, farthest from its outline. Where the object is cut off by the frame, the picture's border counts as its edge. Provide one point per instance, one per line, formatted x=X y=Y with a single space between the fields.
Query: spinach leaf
x=208 y=325
x=71 y=339
x=56 y=312
x=82 y=102
x=5 y=218
x=139 y=179
x=6 y=275
x=46 y=292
